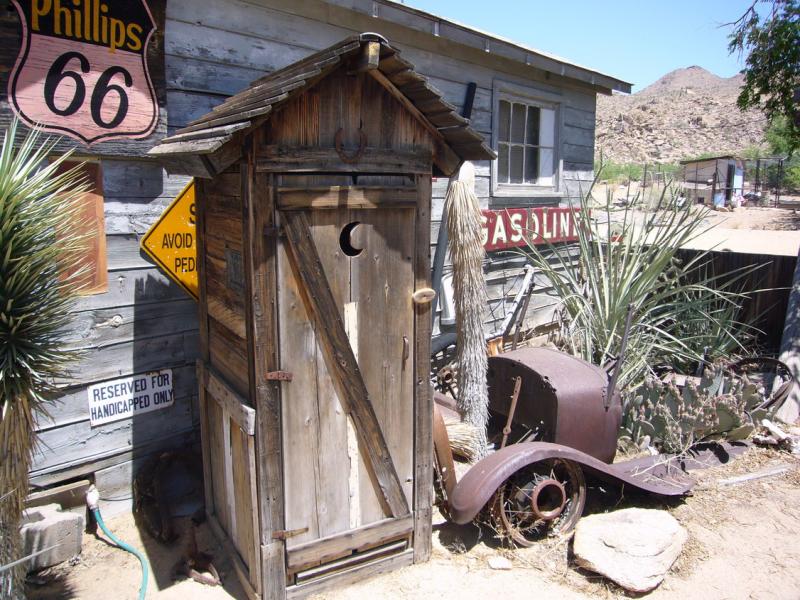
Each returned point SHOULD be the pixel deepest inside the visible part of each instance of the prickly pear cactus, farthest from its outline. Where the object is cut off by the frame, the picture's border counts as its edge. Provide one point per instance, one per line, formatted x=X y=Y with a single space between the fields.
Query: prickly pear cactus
x=720 y=405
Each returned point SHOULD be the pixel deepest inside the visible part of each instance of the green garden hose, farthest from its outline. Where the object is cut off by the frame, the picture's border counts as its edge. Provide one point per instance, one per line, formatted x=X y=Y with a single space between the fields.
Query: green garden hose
x=92 y=500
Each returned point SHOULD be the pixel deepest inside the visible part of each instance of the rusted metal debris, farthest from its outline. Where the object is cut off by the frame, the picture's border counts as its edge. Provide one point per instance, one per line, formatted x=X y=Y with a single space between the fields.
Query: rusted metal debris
x=562 y=399
x=535 y=488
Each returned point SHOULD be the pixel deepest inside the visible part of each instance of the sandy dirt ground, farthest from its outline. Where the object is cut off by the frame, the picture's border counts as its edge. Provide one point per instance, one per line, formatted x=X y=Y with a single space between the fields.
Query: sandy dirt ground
x=743 y=544
x=754 y=217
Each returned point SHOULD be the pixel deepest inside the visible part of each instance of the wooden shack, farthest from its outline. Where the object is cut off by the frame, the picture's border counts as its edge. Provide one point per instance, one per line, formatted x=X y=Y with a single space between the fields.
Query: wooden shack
x=313 y=225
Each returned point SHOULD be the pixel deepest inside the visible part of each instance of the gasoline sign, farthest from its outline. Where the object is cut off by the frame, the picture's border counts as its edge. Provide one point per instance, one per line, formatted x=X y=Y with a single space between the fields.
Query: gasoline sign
x=513 y=227
x=82 y=68
x=171 y=241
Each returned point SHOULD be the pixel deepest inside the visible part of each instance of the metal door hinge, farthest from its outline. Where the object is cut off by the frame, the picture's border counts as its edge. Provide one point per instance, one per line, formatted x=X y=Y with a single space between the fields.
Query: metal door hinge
x=279 y=376
x=284 y=534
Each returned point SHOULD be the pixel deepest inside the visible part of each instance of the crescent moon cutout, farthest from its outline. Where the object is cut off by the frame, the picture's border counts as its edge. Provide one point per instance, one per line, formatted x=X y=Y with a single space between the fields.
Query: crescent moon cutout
x=345 y=241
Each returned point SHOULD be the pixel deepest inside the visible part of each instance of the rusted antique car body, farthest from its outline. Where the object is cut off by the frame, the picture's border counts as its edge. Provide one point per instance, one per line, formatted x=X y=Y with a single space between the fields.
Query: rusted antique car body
x=535 y=488
x=561 y=397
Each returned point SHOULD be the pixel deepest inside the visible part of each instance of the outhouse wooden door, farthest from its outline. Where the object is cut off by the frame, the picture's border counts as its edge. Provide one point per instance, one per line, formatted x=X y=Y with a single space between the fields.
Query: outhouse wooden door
x=346 y=325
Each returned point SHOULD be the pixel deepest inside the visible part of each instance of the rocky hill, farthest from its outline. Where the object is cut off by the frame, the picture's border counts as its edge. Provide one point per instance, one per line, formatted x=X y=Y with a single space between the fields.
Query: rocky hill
x=686 y=113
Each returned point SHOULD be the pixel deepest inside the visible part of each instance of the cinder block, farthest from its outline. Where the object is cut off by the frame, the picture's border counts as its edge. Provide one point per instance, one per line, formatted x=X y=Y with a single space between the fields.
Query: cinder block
x=48 y=527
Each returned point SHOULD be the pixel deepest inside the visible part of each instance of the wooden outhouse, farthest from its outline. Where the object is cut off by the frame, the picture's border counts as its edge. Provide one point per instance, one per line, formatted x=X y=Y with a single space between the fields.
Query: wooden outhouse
x=313 y=225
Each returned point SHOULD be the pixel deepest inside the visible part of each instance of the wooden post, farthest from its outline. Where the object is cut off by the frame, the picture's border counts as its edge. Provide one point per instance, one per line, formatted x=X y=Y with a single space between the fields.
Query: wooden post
x=423 y=397
x=202 y=317
x=259 y=250
x=790 y=349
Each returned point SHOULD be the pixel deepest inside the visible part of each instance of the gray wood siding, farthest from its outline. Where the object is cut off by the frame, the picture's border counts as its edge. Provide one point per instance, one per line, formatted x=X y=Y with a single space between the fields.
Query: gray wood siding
x=213 y=49
x=143 y=322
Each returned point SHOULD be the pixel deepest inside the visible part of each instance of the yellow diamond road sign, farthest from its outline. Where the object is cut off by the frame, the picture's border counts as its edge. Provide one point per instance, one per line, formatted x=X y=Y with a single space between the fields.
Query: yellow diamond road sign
x=172 y=241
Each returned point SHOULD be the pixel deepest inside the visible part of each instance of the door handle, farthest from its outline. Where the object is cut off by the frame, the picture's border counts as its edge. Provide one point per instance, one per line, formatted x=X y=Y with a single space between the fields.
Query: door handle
x=405 y=348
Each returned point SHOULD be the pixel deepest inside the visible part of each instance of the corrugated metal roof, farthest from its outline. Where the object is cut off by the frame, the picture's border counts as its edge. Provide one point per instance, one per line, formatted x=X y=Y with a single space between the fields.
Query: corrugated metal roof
x=250 y=107
x=420 y=20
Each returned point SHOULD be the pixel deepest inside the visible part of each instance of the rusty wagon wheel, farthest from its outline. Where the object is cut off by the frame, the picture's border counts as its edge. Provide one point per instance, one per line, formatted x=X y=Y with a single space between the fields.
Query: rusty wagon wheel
x=543 y=499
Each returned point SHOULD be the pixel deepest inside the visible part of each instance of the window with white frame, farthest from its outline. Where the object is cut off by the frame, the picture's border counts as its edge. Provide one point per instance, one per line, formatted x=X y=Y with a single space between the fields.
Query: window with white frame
x=525 y=136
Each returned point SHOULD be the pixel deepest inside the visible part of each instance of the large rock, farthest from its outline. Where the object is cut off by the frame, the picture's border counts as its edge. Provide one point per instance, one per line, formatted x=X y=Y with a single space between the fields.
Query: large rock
x=48 y=528
x=634 y=547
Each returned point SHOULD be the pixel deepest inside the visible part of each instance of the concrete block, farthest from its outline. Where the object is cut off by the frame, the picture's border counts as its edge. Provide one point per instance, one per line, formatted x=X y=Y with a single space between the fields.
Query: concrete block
x=48 y=527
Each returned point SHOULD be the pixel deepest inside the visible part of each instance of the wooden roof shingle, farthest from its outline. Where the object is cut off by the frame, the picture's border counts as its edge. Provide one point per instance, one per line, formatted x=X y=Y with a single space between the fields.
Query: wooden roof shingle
x=251 y=107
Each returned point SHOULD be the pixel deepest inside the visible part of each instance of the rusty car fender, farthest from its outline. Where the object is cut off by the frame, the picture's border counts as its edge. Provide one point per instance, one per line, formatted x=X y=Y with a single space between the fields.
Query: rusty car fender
x=480 y=483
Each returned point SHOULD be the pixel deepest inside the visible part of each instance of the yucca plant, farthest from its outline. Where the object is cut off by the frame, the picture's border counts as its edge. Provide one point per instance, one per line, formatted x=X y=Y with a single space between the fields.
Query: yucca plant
x=39 y=211
x=630 y=259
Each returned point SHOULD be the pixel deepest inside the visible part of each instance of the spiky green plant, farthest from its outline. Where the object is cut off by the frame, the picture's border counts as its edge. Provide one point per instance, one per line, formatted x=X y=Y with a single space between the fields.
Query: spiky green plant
x=39 y=209
x=630 y=258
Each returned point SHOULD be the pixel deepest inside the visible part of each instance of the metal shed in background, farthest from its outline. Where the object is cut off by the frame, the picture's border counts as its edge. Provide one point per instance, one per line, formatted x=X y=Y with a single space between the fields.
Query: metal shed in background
x=714 y=180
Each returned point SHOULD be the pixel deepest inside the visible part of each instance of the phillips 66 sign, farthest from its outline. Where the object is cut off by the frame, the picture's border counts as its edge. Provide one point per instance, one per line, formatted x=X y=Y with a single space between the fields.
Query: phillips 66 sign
x=82 y=68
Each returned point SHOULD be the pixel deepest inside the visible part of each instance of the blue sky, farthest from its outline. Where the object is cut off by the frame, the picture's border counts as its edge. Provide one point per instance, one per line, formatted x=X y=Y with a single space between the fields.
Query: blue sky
x=635 y=40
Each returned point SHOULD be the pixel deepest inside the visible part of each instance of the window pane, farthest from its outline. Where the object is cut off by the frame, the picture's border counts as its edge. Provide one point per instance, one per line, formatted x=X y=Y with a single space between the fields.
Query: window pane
x=547 y=127
x=518 y=123
x=532 y=133
x=546 y=169
x=502 y=163
x=516 y=164
x=504 y=120
x=531 y=164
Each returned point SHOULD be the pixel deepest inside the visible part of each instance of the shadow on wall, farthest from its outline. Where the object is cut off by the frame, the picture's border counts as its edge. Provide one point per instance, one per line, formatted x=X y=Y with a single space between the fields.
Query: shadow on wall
x=165 y=347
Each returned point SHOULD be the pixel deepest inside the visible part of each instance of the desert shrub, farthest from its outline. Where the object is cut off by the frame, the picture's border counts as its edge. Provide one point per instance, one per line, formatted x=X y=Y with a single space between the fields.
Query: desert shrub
x=628 y=261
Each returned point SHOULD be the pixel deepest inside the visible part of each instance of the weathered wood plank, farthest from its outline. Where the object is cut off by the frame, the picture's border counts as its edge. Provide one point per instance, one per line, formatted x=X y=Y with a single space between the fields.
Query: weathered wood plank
x=139 y=179
x=346 y=197
x=232 y=318
x=141 y=354
x=205 y=445
x=80 y=443
x=258 y=211
x=352 y=575
x=301 y=443
x=206 y=425
x=443 y=156
x=103 y=326
x=228 y=355
x=123 y=253
x=255 y=523
x=218 y=449
x=334 y=500
x=243 y=532
x=309 y=160
x=108 y=458
x=381 y=289
x=329 y=548
x=225 y=44
x=195 y=74
x=236 y=406
x=423 y=399
x=577 y=152
x=228 y=487
x=341 y=363
x=238 y=566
